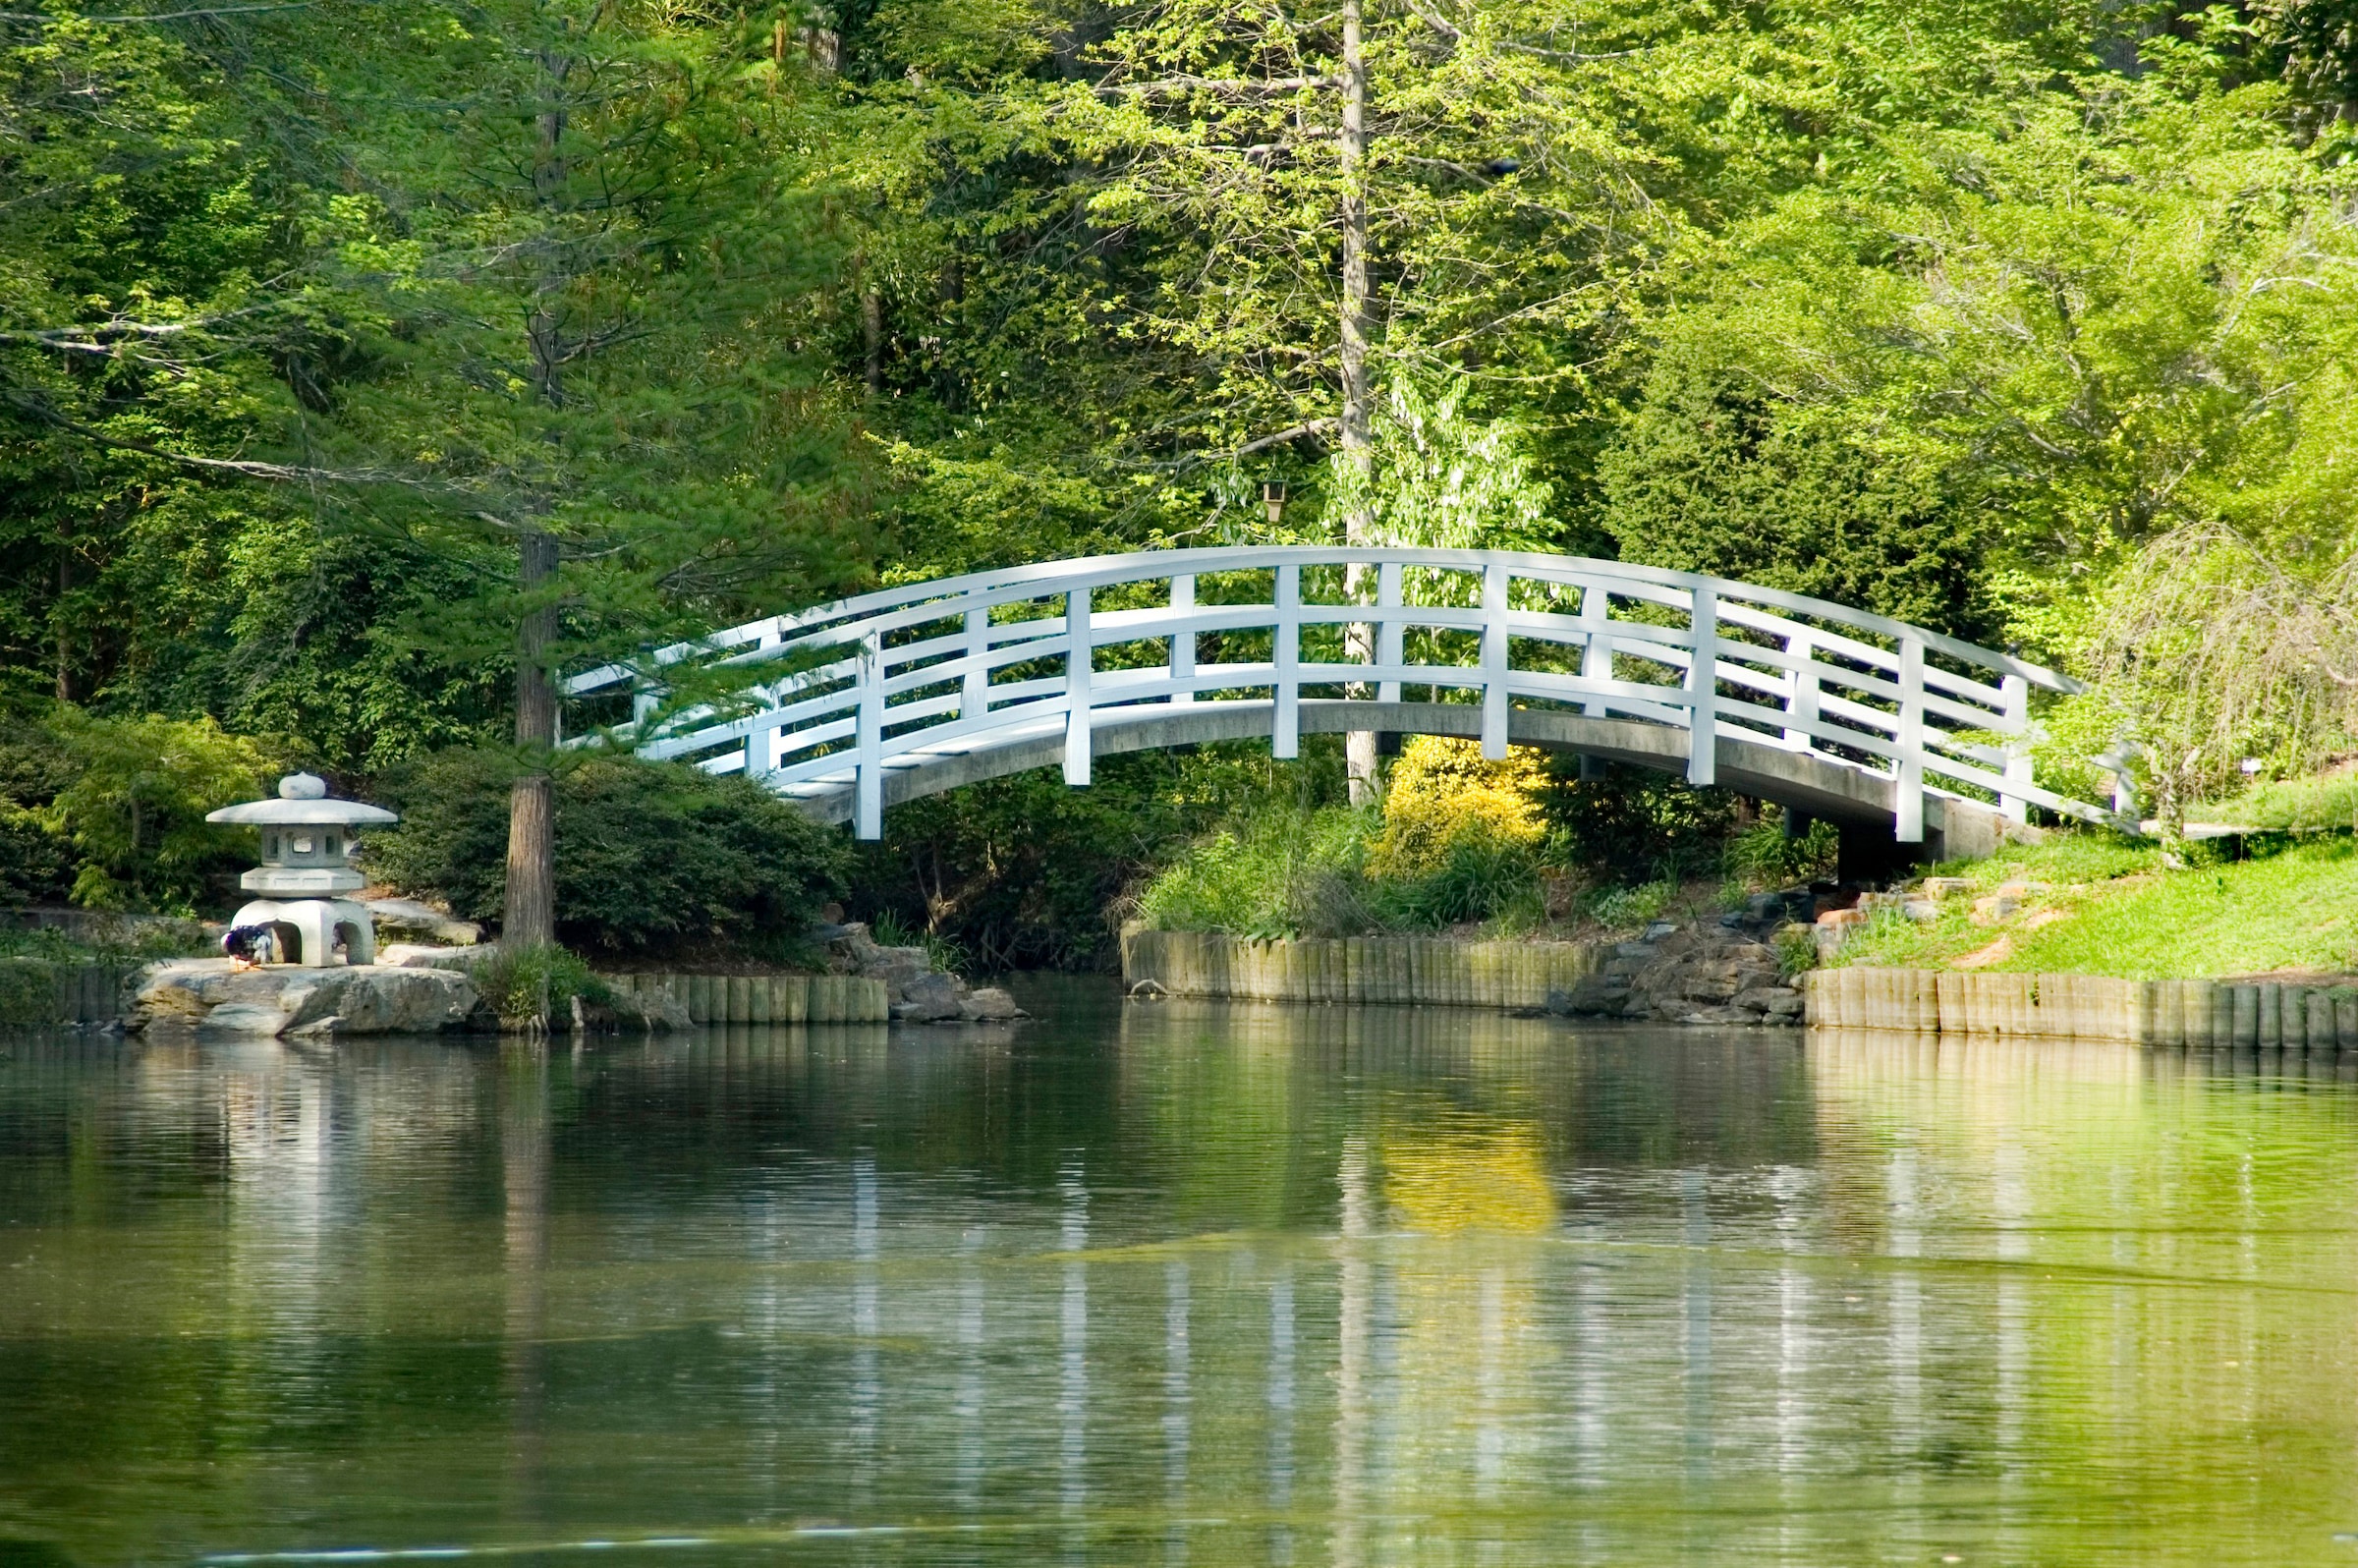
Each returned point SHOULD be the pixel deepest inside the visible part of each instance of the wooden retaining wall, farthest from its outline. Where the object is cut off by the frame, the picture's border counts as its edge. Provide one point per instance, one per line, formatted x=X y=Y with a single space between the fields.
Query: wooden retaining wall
x=1412 y=971
x=2164 y=1012
x=34 y=990
x=768 y=999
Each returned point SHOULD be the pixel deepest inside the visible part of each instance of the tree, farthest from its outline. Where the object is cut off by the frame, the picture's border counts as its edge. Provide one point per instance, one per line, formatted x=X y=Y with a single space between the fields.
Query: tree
x=1712 y=476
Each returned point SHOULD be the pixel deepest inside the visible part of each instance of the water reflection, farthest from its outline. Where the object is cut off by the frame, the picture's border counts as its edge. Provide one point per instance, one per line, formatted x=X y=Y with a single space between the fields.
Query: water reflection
x=1186 y=1284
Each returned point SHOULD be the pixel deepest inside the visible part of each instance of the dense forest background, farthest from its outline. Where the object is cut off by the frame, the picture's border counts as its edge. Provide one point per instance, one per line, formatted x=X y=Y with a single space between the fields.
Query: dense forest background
x=349 y=345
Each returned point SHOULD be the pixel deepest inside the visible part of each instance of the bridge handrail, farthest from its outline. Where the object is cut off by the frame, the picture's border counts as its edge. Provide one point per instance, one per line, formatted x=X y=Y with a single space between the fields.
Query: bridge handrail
x=854 y=684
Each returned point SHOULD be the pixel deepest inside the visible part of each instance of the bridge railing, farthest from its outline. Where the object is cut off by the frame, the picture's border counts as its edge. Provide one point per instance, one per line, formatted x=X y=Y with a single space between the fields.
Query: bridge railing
x=893 y=679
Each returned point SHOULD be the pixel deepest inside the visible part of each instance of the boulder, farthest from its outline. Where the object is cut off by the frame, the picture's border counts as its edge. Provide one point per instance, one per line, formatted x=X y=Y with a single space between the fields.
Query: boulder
x=927 y=999
x=990 y=1005
x=655 y=1010
x=216 y=997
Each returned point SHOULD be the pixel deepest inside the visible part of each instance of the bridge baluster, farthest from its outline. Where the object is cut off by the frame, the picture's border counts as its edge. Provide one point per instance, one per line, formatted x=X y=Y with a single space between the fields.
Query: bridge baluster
x=1907 y=806
x=2017 y=694
x=1703 y=688
x=1493 y=661
x=1183 y=640
x=1596 y=657
x=867 y=808
x=1285 y=736
x=1079 y=659
x=1801 y=699
x=1391 y=635
x=974 y=697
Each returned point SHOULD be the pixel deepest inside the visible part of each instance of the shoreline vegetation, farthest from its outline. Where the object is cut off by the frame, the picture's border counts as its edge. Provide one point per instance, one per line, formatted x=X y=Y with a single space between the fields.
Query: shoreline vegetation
x=1480 y=851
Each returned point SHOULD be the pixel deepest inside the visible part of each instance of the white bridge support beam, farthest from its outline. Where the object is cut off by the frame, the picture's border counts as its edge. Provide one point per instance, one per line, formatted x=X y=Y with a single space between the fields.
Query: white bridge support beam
x=1654 y=667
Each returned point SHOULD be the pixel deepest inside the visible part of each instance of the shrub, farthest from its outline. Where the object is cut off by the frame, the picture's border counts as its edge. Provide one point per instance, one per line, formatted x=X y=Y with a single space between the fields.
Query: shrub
x=1761 y=855
x=651 y=858
x=1278 y=872
x=1445 y=790
x=132 y=801
x=1630 y=906
x=1631 y=825
x=536 y=984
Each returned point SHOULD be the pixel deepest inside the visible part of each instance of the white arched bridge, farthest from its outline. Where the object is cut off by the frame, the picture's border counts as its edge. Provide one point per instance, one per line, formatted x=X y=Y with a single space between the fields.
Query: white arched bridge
x=854 y=707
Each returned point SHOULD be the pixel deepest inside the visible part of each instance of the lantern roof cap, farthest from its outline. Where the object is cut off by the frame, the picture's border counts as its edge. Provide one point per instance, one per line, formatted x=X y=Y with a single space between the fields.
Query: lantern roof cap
x=302 y=802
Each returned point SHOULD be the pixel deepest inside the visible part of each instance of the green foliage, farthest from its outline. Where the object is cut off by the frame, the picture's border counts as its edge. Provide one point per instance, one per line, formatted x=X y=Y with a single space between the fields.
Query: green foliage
x=2328 y=803
x=1630 y=824
x=652 y=858
x=1761 y=855
x=1712 y=476
x=134 y=806
x=536 y=984
x=1628 y=908
x=941 y=953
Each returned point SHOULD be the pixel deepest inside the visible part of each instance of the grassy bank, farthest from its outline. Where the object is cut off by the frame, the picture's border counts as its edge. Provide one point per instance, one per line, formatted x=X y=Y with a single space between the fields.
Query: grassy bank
x=2114 y=907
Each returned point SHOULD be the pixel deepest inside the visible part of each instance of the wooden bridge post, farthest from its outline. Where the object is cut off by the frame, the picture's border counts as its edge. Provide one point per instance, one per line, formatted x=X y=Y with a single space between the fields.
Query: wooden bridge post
x=1183 y=643
x=1285 y=734
x=1079 y=659
x=1907 y=806
x=1597 y=654
x=1493 y=661
x=1801 y=705
x=973 y=695
x=1703 y=688
x=1390 y=633
x=868 y=807
x=2017 y=694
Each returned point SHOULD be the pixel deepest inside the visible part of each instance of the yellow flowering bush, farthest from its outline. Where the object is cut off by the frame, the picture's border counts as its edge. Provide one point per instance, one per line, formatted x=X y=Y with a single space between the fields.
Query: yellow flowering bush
x=1444 y=790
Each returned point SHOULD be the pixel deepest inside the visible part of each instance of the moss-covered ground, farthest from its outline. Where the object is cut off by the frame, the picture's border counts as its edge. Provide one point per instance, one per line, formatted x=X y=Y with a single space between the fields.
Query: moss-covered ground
x=2114 y=905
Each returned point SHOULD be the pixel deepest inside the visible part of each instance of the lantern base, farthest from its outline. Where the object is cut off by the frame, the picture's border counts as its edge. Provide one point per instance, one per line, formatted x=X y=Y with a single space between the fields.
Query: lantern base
x=307 y=929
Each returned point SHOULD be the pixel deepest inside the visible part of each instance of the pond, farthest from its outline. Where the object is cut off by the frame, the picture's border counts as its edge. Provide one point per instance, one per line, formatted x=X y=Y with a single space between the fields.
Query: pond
x=1177 y=1283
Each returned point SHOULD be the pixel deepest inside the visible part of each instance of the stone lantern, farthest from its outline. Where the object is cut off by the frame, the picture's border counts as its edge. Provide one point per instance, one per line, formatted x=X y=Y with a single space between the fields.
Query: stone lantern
x=307 y=844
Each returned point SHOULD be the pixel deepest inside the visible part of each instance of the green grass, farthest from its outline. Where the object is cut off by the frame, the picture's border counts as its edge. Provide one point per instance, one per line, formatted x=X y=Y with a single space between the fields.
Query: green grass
x=2125 y=914
x=2321 y=804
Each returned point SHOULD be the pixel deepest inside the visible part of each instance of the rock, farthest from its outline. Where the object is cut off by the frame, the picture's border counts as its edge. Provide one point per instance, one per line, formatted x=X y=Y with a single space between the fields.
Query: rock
x=1835 y=920
x=417 y=955
x=1720 y=1015
x=1766 y=998
x=899 y=968
x=1145 y=990
x=990 y=1005
x=1946 y=886
x=1921 y=909
x=212 y=995
x=653 y=1009
x=1996 y=908
x=1595 y=993
x=929 y=999
x=1660 y=928
x=405 y=916
x=853 y=951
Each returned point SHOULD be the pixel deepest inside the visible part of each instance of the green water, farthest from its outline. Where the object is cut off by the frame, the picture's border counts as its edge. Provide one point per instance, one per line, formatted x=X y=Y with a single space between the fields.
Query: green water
x=1178 y=1283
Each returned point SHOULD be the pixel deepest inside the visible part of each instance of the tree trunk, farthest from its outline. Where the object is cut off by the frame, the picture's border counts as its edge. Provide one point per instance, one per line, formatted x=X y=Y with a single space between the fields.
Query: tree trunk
x=871 y=331
x=64 y=640
x=1359 y=747
x=530 y=916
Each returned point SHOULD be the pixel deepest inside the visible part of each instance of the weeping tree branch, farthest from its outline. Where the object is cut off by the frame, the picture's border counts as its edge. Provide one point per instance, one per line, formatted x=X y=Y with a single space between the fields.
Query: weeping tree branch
x=2209 y=651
